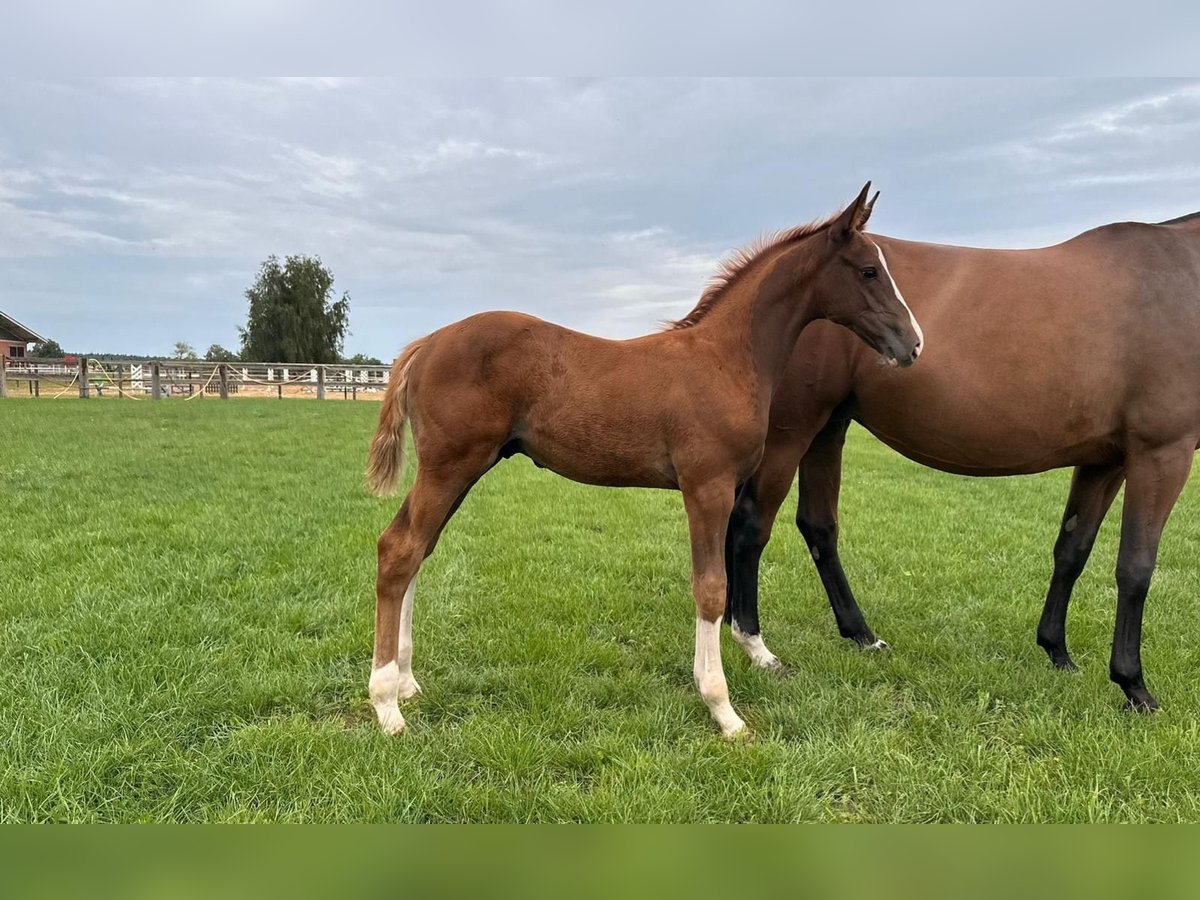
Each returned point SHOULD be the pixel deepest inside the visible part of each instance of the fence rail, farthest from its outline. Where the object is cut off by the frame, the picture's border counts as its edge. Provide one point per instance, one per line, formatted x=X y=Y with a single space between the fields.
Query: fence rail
x=158 y=379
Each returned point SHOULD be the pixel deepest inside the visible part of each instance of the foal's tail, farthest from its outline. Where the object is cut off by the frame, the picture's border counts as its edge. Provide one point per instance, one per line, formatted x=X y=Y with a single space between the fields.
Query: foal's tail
x=385 y=462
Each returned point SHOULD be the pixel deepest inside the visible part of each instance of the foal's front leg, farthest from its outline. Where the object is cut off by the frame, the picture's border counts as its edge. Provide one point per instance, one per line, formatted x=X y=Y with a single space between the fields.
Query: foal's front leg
x=708 y=506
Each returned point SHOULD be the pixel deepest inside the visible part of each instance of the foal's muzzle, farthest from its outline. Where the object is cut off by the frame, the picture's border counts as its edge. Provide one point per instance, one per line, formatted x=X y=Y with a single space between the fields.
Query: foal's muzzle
x=900 y=354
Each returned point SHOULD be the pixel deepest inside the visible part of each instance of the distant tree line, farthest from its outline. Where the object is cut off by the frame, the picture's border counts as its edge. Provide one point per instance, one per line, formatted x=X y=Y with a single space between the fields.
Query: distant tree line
x=292 y=317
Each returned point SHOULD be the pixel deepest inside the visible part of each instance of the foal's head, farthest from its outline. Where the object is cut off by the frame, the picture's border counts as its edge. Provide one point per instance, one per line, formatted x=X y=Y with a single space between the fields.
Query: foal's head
x=853 y=287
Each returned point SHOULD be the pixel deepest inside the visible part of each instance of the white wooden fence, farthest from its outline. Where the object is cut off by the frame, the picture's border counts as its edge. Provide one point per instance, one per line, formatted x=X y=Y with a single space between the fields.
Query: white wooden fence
x=164 y=378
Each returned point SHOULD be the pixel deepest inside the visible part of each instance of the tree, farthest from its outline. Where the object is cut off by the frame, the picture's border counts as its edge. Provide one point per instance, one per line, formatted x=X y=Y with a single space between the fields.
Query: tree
x=49 y=350
x=184 y=350
x=217 y=353
x=359 y=359
x=292 y=316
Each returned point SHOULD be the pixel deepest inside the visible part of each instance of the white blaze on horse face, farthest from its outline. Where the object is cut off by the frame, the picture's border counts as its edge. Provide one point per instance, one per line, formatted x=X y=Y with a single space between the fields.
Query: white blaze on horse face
x=899 y=296
x=755 y=648
x=710 y=678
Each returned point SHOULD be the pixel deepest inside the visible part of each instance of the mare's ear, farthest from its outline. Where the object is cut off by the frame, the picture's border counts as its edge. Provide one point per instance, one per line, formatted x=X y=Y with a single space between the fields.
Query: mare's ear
x=854 y=216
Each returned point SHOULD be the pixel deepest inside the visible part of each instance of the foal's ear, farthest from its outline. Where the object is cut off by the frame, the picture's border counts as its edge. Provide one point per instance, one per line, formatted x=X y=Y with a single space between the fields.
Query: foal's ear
x=854 y=216
x=866 y=213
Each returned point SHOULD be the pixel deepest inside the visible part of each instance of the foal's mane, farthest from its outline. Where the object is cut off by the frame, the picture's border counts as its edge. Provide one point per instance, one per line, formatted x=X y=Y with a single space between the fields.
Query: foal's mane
x=738 y=263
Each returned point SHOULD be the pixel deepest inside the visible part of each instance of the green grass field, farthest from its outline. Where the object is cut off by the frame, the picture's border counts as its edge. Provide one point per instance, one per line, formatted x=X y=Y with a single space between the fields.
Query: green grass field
x=186 y=605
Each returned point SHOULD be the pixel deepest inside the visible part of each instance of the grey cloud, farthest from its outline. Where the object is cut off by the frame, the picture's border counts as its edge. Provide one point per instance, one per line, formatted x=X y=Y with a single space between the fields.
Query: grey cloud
x=134 y=212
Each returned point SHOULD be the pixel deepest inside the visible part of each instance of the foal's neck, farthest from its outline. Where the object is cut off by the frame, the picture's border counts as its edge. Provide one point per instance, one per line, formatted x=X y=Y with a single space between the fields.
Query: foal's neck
x=763 y=316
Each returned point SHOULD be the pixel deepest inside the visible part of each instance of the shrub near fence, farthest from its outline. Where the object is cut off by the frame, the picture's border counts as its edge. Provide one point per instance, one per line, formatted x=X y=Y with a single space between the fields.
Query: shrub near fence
x=164 y=378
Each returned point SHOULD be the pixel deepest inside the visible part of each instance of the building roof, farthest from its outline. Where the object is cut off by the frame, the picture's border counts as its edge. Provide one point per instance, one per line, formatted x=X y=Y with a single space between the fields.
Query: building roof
x=19 y=332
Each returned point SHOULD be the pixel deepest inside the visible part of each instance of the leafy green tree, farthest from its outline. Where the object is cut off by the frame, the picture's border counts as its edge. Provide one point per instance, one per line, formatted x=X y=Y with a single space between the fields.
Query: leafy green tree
x=184 y=350
x=359 y=359
x=49 y=350
x=293 y=316
x=217 y=353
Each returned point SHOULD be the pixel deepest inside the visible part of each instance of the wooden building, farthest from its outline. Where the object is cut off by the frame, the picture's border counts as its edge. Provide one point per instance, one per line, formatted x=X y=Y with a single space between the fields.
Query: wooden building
x=15 y=338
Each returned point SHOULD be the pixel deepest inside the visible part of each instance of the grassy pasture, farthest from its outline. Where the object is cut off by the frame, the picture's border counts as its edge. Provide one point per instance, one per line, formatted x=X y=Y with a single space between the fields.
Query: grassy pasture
x=185 y=632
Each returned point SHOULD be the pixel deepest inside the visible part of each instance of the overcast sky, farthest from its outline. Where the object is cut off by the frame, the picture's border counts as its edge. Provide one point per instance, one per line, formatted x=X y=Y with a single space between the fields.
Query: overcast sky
x=134 y=213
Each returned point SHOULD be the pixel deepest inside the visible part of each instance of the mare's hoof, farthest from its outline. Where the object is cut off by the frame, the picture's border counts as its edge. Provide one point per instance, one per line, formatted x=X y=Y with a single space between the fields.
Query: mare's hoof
x=1142 y=703
x=1064 y=664
x=875 y=644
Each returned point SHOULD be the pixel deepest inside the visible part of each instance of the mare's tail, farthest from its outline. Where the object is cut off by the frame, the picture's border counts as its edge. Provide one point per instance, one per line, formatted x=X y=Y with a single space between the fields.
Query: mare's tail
x=385 y=462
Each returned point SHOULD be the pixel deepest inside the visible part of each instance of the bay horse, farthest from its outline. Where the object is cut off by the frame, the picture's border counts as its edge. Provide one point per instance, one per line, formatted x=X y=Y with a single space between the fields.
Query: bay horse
x=684 y=409
x=1083 y=354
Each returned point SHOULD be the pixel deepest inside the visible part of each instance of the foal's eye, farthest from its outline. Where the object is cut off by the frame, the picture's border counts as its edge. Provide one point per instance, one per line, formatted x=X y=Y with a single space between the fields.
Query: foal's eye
x=868 y=271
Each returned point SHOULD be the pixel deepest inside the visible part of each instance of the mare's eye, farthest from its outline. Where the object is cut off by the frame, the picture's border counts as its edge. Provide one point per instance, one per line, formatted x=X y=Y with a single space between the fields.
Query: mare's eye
x=868 y=272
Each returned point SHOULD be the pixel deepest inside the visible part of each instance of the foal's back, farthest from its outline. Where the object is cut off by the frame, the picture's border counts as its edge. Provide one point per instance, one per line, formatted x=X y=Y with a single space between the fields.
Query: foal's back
x=594 y=410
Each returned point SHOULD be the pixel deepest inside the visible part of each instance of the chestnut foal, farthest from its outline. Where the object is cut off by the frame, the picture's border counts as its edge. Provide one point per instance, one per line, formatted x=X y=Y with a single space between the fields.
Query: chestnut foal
x=686 y=408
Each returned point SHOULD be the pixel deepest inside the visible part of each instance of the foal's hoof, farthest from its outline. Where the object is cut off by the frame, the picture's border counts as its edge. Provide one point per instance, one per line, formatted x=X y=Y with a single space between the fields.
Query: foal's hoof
x=390 y=720
x=1064 y=664
x=736 y=732
x=409 y=689
x=875 y=644
x=776 y=667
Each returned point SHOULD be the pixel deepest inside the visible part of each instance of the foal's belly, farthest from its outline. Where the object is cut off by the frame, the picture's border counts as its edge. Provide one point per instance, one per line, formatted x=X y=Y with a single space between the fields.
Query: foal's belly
x=588 y=457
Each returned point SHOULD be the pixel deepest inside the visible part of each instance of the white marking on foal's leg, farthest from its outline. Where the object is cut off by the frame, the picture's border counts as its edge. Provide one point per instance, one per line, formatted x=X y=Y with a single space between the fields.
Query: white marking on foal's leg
x=394 y=682
x=710 y=677
x=384 y=688
x=755 y=648
x=408 y=686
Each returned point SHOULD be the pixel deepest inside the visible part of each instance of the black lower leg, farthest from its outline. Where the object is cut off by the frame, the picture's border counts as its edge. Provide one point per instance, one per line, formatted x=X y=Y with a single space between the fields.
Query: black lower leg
x=821 y=539
x=743 y=550
x=1125 y=666
x=820 y=482
x=1092 y=491
x=1070 y=556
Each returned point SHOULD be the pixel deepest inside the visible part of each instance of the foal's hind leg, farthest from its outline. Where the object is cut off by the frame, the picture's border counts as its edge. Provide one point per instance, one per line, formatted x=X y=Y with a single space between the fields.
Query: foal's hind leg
x=708 y=506
x=1153 y=480
x=403 y=546
x=1092 y=491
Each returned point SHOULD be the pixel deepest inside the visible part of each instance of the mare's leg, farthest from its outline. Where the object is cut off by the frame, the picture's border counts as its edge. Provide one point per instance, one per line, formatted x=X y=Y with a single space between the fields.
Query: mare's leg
x=403 y=546
x=749 y=529
x=708 y=506
x=1092 y=491
x=1153 y=479
x=820 y=486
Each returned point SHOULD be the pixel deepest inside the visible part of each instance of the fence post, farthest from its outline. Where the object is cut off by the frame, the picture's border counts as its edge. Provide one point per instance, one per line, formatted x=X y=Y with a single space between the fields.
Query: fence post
x=120 y=381
x=83 y=378
x=35 y=387
x=3 y=376
x=320 y=382
x=155 y=382
x=223 y=371
x=279 y=391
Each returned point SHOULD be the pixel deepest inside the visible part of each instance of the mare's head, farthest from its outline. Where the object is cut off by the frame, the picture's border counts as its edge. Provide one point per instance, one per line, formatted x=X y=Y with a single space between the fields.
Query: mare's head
x=853 y=288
